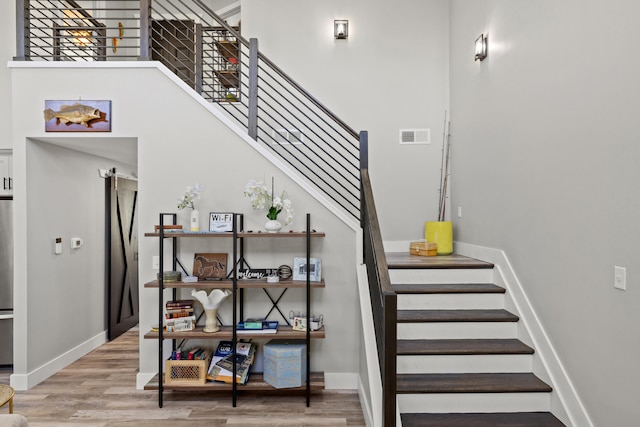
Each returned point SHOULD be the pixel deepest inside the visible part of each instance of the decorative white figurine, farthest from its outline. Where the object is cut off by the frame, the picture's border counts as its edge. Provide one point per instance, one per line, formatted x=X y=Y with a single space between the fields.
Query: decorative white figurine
x=210 y=303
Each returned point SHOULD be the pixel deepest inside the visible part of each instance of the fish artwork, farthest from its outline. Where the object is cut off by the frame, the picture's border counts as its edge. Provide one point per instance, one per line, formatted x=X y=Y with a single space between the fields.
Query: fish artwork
x=76 y=113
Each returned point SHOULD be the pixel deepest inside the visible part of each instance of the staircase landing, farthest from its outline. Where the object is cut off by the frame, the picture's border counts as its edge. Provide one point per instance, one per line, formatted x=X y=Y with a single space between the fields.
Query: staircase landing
x=401 y=260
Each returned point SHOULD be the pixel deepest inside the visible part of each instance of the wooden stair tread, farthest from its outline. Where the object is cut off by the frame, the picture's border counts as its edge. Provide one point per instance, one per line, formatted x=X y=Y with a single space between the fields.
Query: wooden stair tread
x=515 y=419
x=491 y=315
x=404 y=260
x=448 y=288
x=462 y=347
x=471 y=383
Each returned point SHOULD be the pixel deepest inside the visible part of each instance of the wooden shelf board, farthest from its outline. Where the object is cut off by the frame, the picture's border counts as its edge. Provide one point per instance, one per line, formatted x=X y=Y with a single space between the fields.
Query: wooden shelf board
x=243 y=284
x=227 y=48
x=230 y=234
x=225 y=332
x=256 y=383
x=190 y=234
x=280 y=234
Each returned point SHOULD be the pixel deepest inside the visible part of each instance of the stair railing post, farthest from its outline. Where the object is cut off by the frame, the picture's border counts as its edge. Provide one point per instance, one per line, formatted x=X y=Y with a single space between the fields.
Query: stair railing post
x=390 y=353
x=22 y=25
x=253 y=89
x=145 y=30
x=364 y=164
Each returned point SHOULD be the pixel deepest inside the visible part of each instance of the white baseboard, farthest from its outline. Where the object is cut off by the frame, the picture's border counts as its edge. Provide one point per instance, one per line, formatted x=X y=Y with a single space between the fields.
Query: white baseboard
x=340 y=381
x=367 y=411
x=143 y=378
x=567 y=397
x=26 y=381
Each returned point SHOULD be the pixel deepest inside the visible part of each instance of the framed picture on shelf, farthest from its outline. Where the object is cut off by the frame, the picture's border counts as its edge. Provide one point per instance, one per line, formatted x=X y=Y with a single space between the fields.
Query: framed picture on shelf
x=210 y=266
x=300 y=269
x=220 y=221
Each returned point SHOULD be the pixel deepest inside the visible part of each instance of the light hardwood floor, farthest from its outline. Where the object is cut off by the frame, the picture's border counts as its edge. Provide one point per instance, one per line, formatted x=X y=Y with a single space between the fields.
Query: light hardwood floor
x=99 y=390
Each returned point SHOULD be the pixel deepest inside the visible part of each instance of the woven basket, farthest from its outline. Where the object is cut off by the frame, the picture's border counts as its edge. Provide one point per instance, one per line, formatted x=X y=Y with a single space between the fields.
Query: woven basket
x=186 y=372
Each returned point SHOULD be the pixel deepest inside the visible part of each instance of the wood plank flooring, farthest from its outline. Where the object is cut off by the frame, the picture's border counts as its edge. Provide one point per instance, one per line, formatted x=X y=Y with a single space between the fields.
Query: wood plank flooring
x=99 y=390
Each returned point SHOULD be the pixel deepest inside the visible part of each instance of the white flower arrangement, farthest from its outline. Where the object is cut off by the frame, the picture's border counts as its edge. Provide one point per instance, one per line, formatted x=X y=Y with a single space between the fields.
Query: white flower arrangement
x=261 y=198
x=190 y=195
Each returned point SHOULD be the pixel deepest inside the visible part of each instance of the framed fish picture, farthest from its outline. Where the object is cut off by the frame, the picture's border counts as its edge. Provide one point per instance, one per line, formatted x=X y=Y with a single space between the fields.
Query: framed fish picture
x=77 y=116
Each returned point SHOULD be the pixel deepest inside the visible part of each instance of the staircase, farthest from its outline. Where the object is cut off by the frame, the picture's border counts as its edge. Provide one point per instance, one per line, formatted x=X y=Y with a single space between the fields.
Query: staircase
x=459 y=362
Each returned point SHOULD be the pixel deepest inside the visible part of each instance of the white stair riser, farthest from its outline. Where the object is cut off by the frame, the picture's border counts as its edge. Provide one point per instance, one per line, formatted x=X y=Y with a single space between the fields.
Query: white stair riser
x=450 y=301
x=457 y=330
x=471 y=275
x=447 y=364
x=474 y=402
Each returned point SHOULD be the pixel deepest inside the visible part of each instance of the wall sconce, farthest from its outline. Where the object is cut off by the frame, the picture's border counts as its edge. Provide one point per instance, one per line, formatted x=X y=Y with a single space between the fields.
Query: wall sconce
x=481 y=47
x=340 y=29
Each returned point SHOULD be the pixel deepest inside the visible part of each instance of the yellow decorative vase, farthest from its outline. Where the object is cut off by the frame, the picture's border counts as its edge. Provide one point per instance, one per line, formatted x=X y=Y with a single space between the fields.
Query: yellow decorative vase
x=440 y=233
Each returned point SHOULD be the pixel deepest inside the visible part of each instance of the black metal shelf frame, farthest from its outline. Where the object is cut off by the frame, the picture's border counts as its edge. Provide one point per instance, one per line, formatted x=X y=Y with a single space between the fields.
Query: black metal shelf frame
x=238 y=300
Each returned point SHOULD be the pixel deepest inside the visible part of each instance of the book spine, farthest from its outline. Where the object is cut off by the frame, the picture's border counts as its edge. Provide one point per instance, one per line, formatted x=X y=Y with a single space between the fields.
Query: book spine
x=178 y=315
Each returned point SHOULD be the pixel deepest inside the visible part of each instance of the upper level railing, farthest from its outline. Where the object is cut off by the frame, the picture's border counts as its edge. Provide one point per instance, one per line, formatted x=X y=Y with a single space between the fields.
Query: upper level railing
x=218 y=63
x=384 y=302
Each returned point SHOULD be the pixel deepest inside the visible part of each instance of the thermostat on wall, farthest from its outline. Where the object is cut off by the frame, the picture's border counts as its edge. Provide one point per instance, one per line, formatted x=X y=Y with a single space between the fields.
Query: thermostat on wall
x=76 y=242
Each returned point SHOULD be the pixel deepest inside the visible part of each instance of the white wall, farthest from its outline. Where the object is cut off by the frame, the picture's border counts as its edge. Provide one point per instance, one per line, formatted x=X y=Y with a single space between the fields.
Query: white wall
x=391 y=74
x=60 y=300
x=179 y=143
x=7 y=52
x=544 y=147
x=212 y=155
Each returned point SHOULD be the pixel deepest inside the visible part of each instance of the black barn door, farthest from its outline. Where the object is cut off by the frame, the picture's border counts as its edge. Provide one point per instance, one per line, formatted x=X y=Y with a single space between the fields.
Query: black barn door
x=122 y=255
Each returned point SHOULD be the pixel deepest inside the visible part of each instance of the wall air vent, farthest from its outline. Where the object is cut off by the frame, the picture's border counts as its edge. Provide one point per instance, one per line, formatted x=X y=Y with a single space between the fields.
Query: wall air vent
x=415 y=136
x=287 y=136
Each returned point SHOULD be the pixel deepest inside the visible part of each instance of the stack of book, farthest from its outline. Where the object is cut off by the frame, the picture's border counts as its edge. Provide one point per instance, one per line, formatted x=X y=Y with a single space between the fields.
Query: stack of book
x=257 y=326
x=221 y=368
x=179 y=316
x=196 y=353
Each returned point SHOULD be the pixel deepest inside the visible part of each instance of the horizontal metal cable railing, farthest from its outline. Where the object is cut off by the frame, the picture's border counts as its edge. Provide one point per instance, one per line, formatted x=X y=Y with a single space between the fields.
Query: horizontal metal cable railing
x=218 y=63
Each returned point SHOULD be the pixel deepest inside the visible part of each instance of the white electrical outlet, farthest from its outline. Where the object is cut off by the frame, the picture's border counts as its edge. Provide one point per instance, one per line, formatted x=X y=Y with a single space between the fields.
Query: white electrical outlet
x=155 y=262
x=620 y=278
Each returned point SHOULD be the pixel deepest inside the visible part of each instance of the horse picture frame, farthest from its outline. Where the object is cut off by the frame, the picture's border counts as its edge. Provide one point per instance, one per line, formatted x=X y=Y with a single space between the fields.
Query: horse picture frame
x=210 y=266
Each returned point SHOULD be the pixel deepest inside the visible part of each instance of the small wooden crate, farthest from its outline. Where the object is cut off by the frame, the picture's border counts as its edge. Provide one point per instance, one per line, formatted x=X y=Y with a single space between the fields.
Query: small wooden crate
x=423 y=248
x=186 y=372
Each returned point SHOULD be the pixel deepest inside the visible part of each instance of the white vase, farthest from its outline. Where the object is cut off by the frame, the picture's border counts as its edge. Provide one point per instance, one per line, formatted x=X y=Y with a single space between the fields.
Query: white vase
x=273 y=226
x=195 y=220
x=211 y=320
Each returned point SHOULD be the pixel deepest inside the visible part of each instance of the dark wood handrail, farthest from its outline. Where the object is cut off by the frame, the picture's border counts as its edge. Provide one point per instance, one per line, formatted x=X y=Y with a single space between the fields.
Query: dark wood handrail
x=383 y=299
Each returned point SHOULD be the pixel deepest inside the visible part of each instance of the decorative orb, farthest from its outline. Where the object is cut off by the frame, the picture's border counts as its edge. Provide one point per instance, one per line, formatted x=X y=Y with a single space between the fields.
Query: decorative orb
x=285 y=272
